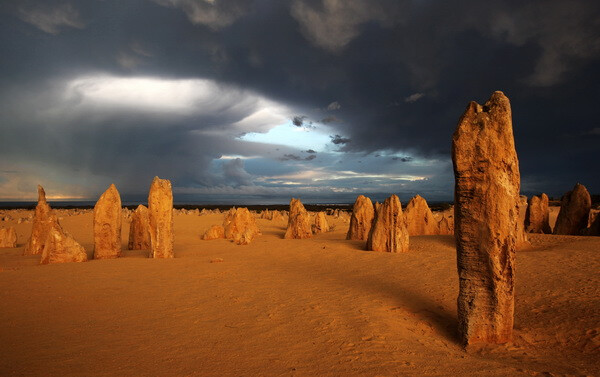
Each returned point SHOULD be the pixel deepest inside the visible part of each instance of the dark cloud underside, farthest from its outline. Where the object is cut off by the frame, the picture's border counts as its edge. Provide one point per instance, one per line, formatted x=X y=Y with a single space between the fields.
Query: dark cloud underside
x=388 y=78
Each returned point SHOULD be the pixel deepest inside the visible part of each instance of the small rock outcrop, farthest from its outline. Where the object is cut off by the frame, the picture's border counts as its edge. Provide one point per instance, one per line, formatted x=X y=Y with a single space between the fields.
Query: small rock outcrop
x=537 y=215
x=320 y=225
x=361 y=220
x=8 y=237
x=60 y=247
x=522 y=239
x=240 y=226
x=214 y=232
x=486 y=219
x=419 y=218
x=446 y=226
x=299 y=224
x=594 y=228
x=389 y=232
x=574 y=211
x=276 y=216
x=44 y=219
x=107 y=225
x=160 y=215
x=139 y=229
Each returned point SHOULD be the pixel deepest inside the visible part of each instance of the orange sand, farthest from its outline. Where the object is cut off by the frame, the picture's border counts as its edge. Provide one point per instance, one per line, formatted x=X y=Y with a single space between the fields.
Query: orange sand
x=315 y=307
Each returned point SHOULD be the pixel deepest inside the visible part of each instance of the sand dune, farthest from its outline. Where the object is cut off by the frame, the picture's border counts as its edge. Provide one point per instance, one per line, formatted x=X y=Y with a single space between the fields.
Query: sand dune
x=320 y=306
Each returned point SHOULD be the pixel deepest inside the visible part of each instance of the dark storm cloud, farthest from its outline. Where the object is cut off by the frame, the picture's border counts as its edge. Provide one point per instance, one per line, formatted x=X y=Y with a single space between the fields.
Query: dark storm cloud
x=293 y=157
x=414 y=97
x=298 y=120
x=404 y=72
x=213 y=14
x=337 y=140
x=235 y=174
x=50 y=17
x=334 y=106
x=329 y=119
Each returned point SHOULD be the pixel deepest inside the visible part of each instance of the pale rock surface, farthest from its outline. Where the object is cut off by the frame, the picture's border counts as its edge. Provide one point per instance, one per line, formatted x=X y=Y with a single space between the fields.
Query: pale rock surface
x=299 y=224
x=240 y=226
x=43 y=220
x=574 y=211
x=266 y=214
x=107 y=225
x=419 y=218
x=537 y=215
x=8 y=237
x=363 y=213
x=160 y=214
x=60 y=247
x=446 y=226
x=389 y=232
x=214 y=232
x=244 y=238
x=139 y=229
x=320 y=225
x=523 y=200
x=277 y=216
x=486 y=199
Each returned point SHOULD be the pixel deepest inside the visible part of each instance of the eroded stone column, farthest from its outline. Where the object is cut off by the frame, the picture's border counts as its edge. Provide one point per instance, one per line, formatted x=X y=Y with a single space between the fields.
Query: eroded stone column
x=299 y=224
x=320 y=225
x=139 y=230
x=160 y=214
x=107 y=225
x=419 y=218
x=389 y=231
x=361 y=220
x=61 y=247
x=574 y=211
x=486 y=198
x=8 y=237
x=537 y=215
x=43 y=220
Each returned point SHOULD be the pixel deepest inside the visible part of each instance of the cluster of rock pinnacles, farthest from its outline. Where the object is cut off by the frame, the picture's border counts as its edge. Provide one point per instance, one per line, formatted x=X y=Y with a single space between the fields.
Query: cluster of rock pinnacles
x=485 y=224
x=151 y=228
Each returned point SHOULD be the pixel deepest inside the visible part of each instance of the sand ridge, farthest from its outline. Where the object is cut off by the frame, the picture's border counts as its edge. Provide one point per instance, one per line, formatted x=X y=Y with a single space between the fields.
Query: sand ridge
x=319 y=306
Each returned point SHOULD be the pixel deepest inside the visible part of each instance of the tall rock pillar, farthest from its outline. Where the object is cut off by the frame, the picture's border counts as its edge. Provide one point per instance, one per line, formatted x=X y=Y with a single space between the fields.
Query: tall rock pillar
x=486 y=198
x=160 y=214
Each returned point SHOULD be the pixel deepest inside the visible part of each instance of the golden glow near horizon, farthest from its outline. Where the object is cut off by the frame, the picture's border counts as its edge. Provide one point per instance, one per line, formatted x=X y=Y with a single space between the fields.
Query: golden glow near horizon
x=34 y=198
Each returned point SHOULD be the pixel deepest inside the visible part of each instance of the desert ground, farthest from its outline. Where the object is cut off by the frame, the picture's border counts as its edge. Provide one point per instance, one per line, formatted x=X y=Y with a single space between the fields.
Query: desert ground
x=315 y=307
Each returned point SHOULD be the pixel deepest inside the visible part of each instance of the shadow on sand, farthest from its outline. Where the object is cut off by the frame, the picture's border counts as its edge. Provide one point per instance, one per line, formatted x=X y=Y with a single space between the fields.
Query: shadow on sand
x=421 y=305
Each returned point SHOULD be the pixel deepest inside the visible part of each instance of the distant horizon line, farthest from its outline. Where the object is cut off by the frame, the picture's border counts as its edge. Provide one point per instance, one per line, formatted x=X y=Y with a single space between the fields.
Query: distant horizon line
x=90 y=203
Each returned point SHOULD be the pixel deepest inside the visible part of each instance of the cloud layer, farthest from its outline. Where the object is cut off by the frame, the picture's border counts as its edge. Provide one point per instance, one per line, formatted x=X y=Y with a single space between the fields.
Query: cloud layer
x=271 y=99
